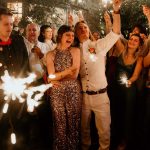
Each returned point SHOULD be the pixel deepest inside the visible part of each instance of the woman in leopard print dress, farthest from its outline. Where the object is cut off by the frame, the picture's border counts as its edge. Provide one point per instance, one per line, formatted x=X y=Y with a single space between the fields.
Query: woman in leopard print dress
x=63 y=65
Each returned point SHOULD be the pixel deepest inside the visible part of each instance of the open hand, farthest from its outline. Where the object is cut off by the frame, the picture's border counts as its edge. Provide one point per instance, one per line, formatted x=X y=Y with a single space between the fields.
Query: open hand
x=70 y=19
x=146 y=10
x=107 y=17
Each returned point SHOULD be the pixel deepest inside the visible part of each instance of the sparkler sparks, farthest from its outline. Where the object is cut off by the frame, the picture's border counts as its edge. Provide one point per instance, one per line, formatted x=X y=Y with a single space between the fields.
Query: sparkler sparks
x=123 y=79
x=19 y=89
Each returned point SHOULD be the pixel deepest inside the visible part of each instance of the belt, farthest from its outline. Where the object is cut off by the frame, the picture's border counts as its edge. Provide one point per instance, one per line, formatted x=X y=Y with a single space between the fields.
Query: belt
x=96 y=92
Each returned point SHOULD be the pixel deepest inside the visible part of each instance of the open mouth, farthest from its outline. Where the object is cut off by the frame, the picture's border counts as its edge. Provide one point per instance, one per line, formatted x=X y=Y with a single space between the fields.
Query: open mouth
x=69 y=42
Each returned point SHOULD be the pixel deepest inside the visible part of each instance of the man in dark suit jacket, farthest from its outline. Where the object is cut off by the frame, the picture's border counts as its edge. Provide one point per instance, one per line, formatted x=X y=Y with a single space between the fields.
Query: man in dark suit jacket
x=14 y=59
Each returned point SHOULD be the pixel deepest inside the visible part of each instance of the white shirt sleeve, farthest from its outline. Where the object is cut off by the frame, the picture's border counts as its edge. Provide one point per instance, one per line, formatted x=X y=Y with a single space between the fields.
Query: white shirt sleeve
x=105 y=44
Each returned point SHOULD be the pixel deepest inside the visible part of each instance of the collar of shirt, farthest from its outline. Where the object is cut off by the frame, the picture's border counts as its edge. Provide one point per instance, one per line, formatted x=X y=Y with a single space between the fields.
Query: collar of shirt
x=4 y=43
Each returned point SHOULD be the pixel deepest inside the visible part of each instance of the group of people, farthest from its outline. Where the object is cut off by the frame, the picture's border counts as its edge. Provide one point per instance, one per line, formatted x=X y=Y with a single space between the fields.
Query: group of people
x=105 y=76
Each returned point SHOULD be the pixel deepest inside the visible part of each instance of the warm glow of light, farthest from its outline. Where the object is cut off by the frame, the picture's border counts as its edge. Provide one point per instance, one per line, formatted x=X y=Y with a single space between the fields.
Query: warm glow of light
x=79 y=1
x=123 y=79
x=5 y=108
x=52 y=76
x=18 y=88
x=14 y=88
x=93 y=57
x=13 y=138
x=32 y=100
x=105 y=1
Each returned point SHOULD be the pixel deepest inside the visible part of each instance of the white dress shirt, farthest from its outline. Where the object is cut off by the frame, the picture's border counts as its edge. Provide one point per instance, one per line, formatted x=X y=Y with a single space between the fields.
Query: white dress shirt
x=92 y=72
x=36 y=64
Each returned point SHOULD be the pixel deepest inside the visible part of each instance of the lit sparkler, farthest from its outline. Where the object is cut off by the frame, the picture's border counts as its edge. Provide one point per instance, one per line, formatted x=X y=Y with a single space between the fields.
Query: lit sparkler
x=19 y=89
x=124 y=79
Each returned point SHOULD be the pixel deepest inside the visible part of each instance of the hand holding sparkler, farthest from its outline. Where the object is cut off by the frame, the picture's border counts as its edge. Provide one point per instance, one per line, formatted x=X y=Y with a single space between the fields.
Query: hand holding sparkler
x=128 y=83
x=124 y=80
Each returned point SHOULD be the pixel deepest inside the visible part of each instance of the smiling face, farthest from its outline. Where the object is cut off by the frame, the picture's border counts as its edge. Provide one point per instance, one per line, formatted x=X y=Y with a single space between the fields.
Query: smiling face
x=48 y=34
x=134 y=42
x=6 y=26
x=67 y=38
x=82 y=31
x=146 y=10
x=32 y=32
x=96 y=35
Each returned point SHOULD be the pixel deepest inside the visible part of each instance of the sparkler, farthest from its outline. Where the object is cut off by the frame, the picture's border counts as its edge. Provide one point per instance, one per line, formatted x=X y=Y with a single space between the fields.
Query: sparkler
x=19 y=88
x=124 y=80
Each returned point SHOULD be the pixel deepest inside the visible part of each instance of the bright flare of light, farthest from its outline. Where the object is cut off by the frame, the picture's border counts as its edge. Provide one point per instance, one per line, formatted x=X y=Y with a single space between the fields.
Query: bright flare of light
x=13 y=138
x=105 y=1
x=52 y=76
x=19 y=89
x=79 y=1
x=5 y=108
x=123 y=79
x=14 y=88
x=93 y=57
x=32 y=100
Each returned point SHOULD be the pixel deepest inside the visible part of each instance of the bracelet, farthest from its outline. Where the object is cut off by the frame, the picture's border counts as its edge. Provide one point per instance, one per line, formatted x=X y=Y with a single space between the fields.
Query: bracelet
x=117 y=12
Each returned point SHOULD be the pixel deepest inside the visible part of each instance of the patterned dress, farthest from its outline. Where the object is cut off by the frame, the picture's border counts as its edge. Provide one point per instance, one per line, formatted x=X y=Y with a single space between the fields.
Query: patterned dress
x=66 y=106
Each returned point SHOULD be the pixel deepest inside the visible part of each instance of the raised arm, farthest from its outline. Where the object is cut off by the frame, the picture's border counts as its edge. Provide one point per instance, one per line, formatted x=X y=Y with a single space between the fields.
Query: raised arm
x=146 y=12
x=116 y=16
x=108 y=23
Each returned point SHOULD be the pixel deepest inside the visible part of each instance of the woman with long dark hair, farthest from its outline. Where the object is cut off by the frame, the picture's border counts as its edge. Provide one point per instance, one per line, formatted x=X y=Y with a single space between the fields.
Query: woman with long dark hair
x=46 y=36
